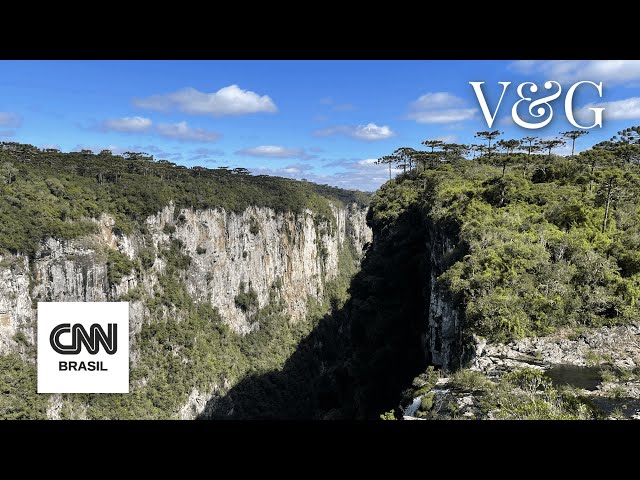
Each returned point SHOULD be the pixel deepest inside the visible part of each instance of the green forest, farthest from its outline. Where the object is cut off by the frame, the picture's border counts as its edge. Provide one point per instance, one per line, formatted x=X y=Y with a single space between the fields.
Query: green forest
x=48 y=193
x=544 y=240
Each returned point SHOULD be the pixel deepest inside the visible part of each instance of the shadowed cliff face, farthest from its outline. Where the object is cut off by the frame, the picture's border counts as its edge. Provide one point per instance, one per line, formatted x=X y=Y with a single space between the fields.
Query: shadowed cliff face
x=358 y=358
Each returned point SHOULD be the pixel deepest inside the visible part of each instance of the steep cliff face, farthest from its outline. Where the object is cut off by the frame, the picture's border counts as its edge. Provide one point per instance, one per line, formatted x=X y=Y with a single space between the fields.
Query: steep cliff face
x=15 y=304
x=444 y=342
x=258 y=249
x=403 y=318
x=229 y=253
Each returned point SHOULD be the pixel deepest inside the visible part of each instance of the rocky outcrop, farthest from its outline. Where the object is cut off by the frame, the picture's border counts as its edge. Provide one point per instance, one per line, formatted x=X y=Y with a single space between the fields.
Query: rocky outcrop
x=601 y=365
x=15 y=303
x=198 y=404
x=617 y=345
x=258 y=249
x=443 y=340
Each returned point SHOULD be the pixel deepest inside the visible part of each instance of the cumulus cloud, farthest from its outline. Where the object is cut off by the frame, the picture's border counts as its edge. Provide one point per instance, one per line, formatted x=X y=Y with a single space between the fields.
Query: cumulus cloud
x=369 y=132
x=275 y=151
x=182 y=131
x=359 y=174
x=231 y=100
x=11 y=120
x=127 y=124
x=447 y=138
x=627 y=109
x=356 y=174
x=608 y=71
x=298 y=168
x=440 y=107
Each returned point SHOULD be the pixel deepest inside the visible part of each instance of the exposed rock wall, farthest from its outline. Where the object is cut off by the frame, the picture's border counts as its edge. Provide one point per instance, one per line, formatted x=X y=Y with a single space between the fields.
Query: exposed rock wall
x=257 y=249
x=443 y=341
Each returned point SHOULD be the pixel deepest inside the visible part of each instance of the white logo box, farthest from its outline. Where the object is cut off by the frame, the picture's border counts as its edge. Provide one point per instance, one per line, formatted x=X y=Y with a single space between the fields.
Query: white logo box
x=76 y=343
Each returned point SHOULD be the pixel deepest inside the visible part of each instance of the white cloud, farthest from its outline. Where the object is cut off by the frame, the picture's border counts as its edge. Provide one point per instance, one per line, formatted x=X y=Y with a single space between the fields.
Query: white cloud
x=607 y=71
x=182 y=131
x=8 y=119
x=447 y=138
x=372 y=132
x=369 y=132
x=231 y=100
x=440 y=107
x=127 y=124
x=358 y=174
x=367 y=161
x=275 y=151
x=627 y=109
x=298 y=168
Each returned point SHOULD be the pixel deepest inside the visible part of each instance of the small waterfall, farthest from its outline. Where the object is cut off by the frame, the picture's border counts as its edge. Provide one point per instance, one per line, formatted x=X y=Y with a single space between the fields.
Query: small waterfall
x=410 y=410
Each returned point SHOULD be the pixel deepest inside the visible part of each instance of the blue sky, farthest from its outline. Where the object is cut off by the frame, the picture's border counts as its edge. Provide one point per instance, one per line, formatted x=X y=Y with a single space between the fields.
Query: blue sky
x=326 y=121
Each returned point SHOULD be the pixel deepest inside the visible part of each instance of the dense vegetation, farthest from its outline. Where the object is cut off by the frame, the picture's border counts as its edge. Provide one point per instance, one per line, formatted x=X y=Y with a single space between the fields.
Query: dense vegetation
x=49 y=193
x=544 y=240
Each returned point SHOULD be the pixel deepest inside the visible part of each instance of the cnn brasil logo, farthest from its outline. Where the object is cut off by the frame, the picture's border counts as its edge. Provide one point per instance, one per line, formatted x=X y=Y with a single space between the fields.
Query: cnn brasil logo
x=83 y=347
x=541 y=108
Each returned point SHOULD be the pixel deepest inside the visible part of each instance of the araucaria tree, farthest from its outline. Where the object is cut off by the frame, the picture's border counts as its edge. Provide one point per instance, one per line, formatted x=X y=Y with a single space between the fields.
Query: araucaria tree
x=573 y=135
x=549 y=145
x=630 y=135
x=387 y=160
x=433 y=144
x=489 y=136
x=531 y=144
x=509 y=146
x=612 y=182
x=405 y=156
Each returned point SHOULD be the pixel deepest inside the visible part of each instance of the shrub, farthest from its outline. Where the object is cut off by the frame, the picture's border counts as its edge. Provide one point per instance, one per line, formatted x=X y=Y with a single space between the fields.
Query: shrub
x=21 y=338
x=390 y=415
x=528 y=379
x=118 y=265
x=425 y=381
x=246 y=300
x=147 y=257
x=426 y=402
x=254 y=226
x=470 y=381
